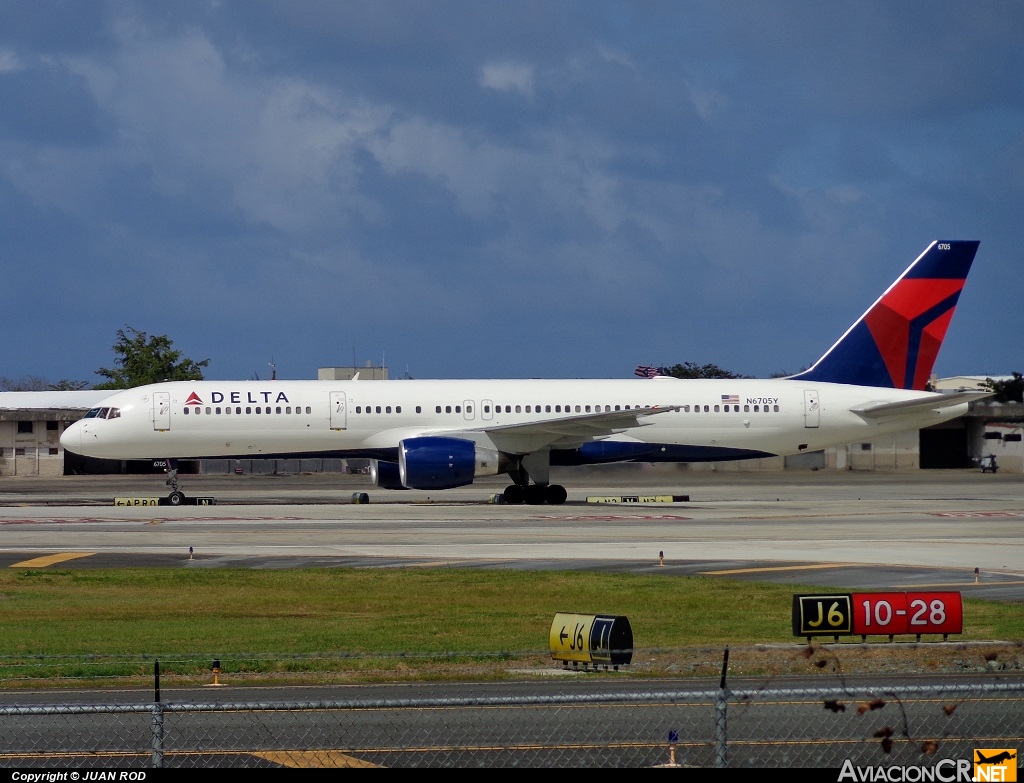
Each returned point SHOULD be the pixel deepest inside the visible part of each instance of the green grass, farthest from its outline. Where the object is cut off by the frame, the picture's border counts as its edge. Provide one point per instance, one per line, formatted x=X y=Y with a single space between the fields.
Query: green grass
x=113 y=623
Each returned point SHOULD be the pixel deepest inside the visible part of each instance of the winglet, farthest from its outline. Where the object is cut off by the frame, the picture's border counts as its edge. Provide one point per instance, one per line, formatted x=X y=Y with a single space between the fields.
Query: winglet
x=895 y=343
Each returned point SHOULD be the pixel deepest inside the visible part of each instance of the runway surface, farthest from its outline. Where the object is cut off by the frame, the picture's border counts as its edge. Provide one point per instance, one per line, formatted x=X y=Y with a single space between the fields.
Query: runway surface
x=901 y=531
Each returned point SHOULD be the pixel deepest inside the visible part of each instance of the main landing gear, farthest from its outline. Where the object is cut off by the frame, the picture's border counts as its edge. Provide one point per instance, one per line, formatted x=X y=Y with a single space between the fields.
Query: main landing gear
x=176 y=498
x=535 y=494
x=536 y=466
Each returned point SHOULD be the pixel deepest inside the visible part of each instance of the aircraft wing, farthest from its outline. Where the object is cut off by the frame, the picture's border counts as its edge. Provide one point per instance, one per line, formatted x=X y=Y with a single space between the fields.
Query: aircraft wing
x=882 y=410
x=569 y=432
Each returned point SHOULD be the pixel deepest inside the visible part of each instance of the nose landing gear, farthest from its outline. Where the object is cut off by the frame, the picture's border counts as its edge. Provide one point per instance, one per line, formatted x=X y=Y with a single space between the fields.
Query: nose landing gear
x=177 y=497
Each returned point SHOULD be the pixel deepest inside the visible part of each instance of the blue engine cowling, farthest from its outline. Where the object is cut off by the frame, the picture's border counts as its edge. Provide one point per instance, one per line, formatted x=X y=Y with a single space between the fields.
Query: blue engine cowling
x=442 y=463
x=385 y=474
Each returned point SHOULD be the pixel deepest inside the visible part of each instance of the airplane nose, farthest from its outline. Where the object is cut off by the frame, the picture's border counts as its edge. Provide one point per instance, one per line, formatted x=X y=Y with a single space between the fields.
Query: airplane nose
x=71 y=438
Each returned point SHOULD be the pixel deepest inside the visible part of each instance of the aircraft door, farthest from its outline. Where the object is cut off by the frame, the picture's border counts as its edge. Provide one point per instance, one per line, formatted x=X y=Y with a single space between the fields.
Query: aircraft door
x=487 y=409
x=812 y=410
x=339 y=411
x=468 y=410
x=161 y=410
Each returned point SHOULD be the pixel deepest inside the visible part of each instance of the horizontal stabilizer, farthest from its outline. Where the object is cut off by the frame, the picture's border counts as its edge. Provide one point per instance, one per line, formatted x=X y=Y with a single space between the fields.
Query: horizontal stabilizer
x=936 y=402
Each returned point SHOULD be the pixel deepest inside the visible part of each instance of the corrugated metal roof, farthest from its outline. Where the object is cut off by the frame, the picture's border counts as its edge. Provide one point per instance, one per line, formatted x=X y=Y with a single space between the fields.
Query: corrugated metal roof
x=53 y=400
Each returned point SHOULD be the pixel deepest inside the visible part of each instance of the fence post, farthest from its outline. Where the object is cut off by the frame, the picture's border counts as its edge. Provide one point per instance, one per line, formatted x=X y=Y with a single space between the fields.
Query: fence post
x=157 y=727
x=722 y=718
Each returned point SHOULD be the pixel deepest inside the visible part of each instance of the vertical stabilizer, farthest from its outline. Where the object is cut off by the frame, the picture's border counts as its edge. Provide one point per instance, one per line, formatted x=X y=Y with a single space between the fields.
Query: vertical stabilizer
x=895 y=343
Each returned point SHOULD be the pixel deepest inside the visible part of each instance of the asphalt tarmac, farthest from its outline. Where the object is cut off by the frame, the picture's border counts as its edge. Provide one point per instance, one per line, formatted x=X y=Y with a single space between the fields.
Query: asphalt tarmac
x=863 y=531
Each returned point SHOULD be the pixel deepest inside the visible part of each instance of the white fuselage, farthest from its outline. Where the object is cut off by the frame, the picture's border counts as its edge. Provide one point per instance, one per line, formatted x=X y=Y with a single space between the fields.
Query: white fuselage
x=696 y=420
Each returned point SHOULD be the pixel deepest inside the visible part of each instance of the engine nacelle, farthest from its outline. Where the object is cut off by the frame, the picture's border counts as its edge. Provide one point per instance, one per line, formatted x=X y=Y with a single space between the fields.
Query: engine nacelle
x=385 y=474
x=443 y=463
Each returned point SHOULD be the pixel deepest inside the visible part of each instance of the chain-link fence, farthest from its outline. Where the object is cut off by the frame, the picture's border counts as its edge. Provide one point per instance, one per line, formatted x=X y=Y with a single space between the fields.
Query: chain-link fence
x=806 y=727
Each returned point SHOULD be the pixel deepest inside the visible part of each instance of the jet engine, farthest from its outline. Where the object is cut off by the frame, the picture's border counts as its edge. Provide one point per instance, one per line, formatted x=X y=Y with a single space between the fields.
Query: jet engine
x=438 y=463
x=385 y=474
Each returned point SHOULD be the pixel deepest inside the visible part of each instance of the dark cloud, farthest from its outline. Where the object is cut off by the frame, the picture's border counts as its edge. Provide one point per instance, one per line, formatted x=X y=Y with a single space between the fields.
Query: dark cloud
x=47 y=104
x=501 y=189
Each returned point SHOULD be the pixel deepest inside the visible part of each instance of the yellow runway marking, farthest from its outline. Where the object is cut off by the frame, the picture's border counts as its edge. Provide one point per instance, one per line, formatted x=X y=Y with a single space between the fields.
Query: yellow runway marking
x=48 y=560
x=780 y=568
x=326 y=759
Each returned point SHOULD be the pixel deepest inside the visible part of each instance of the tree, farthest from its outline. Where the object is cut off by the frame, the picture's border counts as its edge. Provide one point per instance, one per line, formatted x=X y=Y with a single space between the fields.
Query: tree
x=66 y=384
x=693 y=370
x=143 y=359
x=1011 y=390
x=24 y=383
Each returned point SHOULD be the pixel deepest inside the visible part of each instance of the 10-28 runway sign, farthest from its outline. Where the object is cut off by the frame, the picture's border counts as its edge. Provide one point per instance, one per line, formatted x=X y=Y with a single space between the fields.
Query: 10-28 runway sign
x=890 y=614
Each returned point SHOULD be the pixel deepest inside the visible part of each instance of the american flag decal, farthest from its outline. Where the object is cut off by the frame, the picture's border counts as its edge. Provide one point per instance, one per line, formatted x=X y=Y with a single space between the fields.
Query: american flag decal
x=731 y=399
x=646 y=371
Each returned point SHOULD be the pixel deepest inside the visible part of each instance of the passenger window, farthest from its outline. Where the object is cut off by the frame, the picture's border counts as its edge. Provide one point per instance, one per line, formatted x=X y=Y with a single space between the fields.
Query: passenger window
x=218 y=411
x=419 y=409
x=508 y=409
x=547 y=409
x=309 y=409
x=447 y=408
x=577 y=408
x=277 y=409
x=487 y=409
x=288 y=409
x=776 y=408
x=437 y=409
x=527 y=408
x=587 y=409
x=458 y=409
x=387 y=409
x=185 y=411
x=398 y=409
x=746 y=409
x=208 y=411
x=519 y=409
x=469 y=409
x=558 y=409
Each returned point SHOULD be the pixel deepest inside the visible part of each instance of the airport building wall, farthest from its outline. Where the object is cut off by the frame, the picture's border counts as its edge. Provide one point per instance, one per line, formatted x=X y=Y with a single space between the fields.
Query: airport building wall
x=30 y=442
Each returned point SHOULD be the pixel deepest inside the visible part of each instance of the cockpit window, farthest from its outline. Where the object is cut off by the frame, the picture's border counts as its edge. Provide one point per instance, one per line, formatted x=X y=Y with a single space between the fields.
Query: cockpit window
x=103 y=413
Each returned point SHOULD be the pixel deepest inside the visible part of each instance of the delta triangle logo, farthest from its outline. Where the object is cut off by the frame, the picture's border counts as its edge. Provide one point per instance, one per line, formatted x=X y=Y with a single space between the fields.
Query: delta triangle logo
x=193 y=399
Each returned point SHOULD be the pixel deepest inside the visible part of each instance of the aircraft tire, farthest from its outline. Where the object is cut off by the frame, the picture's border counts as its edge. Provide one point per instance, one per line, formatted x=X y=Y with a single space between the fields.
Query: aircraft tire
x=535 y=494
x=514 y=495
x=555 y=494
x=176 y=498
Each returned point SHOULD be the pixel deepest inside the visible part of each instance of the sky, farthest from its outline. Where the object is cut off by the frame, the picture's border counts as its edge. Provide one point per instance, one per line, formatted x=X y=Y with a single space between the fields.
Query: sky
x=516 y=189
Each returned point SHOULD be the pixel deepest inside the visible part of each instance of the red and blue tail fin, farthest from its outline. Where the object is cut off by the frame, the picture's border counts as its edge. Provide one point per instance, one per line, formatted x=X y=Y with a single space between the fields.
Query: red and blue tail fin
x=894 y=344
